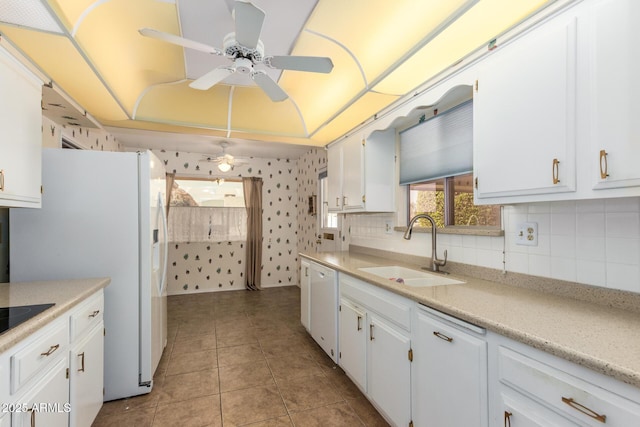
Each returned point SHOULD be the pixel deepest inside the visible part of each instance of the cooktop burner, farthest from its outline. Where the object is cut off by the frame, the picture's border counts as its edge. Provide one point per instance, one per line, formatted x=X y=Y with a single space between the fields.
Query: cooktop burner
x=13 y=316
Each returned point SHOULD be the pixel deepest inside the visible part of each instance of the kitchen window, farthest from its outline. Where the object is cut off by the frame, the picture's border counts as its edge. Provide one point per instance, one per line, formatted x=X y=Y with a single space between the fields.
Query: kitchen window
x=327 y=219
x=450 y=202
x=207 y=210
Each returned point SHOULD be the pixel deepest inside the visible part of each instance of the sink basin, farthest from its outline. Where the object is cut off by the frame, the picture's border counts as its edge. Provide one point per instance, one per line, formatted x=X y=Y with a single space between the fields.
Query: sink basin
x=410 y=277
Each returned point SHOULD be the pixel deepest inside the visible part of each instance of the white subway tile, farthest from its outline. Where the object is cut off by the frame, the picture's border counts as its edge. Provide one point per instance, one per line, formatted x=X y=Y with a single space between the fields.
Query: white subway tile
x=563 y=224
x=543 y=221
x=590 y=248
x=469 y=241
x=540 y=265
x=544 y=246
x=543 y=207
x=623 y=251
x=624 y=224
x=563 y=246
x=483 y=242
x=517 y=262
x=591 y=273
x=563 y=268
x=623 y=276
x=590 y=224
x=490 y=259
x=626 y=204
x=590 y=206
x=568 y=206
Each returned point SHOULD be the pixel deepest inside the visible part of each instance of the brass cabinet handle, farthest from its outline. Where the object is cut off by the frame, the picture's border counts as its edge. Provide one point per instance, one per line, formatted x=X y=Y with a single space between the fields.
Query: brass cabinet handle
x=95 y=313
x=507 y=418
x=33 y=417
x=344 y=200
x=371 y=338
x=306 y=270
x=583 y=409
x=51 y=350
x=554 y=171
x=337 y=201
x=1 y=179
x=81 y=356
x=442 y=336
x=359 y=322
x=604 y=167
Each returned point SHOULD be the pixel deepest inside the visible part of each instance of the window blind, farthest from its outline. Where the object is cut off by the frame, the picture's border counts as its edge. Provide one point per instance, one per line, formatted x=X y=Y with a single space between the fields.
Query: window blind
x=439 y=147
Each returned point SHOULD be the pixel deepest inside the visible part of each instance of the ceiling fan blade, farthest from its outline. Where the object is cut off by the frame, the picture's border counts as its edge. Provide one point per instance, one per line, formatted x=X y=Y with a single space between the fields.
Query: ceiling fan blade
x=211 y=78
x=249 y=20
x=270 y=87
x=177 y=40
x=316 y=64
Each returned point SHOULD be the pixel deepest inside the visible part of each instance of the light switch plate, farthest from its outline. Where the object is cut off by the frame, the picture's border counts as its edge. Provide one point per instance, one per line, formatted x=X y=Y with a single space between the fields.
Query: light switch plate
x=527 y=234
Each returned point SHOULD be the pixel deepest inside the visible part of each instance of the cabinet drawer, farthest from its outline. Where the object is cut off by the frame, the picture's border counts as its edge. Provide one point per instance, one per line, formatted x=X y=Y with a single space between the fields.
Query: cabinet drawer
x=34 y=357
x=588 y=404
x=88 y=314
x=392 y=306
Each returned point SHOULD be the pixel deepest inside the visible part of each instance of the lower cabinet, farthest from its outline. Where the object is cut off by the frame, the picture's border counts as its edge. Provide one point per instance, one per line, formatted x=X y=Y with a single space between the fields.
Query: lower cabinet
x=46 y=404
x=449 y=371
x=305 y=279
x=86 y=367
x=375 y=346
x=519 y=411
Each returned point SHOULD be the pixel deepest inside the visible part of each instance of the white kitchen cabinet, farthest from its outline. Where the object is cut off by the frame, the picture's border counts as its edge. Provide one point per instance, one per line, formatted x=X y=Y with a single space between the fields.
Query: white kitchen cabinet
x=86 y=366
x=5 y=420
x=525 y=116
x=612 y=74
x=324 y=308
x=305 y=282
x=449 y=372
x=361 y=173
x=389 y=370
x=375 y=346
x=534 y=385
x=20 y=127
x=47 y=401
x=353 y=342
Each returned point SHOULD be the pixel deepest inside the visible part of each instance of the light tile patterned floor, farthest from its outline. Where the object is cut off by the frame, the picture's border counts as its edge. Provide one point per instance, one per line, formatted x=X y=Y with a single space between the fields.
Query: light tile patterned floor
x=242 y=358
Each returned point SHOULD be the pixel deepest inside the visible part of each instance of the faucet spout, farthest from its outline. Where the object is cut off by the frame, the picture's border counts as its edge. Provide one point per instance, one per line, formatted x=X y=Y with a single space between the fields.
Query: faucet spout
x=435 y=262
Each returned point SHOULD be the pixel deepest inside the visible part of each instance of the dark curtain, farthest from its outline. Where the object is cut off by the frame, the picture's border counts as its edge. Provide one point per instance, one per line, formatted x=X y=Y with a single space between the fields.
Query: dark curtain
x=253 y=202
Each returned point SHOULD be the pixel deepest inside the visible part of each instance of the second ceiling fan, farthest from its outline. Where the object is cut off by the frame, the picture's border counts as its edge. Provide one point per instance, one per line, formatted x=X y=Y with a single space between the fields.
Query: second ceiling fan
x=245 y=49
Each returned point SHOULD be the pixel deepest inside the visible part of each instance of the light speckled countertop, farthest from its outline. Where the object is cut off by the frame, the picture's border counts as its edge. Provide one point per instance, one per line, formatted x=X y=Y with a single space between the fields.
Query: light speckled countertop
x=596 y=336
x=65 y=294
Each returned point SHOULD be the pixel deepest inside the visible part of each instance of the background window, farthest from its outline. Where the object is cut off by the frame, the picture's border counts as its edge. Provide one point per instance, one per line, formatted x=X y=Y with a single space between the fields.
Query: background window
x=327 y=219
x=205 y=210
x=450 y=202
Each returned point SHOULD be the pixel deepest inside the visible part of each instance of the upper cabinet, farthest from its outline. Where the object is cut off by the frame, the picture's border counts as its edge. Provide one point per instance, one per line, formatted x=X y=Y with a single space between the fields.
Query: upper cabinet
x=613 y=56
x=361 y=173
x=20 y=134
x=525 y=116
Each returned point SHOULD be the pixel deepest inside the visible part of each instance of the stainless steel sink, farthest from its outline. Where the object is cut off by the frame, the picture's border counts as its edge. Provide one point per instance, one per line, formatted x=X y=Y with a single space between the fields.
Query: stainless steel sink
x=410 y=277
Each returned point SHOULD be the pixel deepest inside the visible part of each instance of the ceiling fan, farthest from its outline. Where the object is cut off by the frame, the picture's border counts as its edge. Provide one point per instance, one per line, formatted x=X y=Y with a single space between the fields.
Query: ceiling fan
x=246 y=50
x=225 y=161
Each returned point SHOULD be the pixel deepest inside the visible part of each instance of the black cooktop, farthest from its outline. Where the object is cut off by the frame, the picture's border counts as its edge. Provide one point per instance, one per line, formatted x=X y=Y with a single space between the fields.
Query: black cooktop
x=11 y=317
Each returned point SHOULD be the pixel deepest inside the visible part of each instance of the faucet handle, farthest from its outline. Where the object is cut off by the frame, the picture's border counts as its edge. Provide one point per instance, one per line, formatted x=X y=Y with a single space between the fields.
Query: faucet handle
x=440 y=262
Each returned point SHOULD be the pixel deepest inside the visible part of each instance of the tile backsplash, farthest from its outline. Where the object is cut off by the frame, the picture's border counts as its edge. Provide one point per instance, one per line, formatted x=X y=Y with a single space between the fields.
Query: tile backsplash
x=595 y=242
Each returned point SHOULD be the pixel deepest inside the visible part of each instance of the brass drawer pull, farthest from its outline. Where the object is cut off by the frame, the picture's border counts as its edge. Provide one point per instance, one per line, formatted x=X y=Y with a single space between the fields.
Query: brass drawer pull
x=337 y=201
x=581 y=408
x=81 y=356
x=604 y=167
x=507 y=418
x=371 y=338
x=442 y=336
x=554 y=171
x=359 y=323
x=1 y=179
x=95 y=313
x=33 y=417
x=51 y=350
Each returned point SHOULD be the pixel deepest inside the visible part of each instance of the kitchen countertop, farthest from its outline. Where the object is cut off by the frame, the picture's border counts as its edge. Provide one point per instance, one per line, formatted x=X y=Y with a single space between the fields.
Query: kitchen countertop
x=64 y=293
x=596 y=336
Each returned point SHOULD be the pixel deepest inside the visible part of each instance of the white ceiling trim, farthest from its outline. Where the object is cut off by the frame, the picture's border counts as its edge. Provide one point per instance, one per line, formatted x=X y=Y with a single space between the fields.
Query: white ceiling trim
x=304 y=124
x=86 y=13
x=232 y=89
x=346 y=49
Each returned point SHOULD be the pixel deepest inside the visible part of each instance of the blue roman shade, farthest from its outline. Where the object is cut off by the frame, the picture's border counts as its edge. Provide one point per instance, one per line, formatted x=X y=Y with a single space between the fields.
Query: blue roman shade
x=439 y=147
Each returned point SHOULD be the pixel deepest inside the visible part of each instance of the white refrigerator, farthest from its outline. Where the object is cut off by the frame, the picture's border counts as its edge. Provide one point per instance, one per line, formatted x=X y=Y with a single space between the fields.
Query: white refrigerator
x=103 y=215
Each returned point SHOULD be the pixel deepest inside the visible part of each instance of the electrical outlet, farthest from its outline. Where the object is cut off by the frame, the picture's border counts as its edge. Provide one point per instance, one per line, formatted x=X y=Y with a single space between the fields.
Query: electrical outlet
x=527 y=234
x=388 y=227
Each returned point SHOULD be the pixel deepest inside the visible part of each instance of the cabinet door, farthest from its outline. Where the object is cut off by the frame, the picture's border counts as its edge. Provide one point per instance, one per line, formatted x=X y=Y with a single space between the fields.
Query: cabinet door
x=334 y=177
x=525 y=116
x=389 y=370
x=614 y=112
x=305 y=278
x=353 y=173
x=86 y=367
x=449 y=375
x=353 y=342
x=47 y=401
x=21 y=142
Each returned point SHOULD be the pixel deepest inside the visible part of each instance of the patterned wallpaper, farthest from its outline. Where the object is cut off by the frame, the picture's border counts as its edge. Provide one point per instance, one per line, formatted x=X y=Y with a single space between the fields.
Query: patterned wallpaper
x=309 y=165
x=207 y=267
x=89 y=139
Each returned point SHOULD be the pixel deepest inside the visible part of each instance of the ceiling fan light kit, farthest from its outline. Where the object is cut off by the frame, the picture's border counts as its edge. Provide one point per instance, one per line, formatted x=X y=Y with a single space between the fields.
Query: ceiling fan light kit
x=246 y=50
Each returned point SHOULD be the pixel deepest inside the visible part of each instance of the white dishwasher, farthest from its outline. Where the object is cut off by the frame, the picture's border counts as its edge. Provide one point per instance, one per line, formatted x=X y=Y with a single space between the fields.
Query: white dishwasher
x=324 y=308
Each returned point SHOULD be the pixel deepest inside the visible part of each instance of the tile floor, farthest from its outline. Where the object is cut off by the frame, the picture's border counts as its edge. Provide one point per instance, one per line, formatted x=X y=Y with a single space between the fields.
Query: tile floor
x=242 y=358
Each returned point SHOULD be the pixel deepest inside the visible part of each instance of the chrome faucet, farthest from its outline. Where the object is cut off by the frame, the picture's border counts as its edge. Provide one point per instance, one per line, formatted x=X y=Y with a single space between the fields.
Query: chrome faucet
x=435 y=262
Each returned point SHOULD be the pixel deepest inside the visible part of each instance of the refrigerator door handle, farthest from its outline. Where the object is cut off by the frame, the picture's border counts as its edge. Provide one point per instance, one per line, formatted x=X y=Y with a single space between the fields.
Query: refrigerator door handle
x=163 y=214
